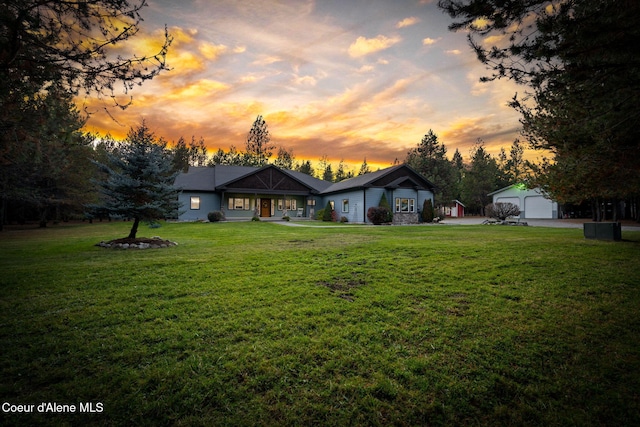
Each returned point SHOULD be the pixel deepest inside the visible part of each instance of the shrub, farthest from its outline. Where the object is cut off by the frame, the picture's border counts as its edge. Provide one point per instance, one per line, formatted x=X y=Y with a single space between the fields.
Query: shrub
x=327 y=215
x=286 y=218
x=320 y=214
x=255 y=218
x=215 y=216
x=501 y=211
x=427 y=211
x=344 y=219
x=385 y=204
x=378 y=215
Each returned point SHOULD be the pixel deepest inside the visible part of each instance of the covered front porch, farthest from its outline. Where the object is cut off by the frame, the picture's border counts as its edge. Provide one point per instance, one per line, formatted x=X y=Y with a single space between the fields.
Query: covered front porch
x=266 y=206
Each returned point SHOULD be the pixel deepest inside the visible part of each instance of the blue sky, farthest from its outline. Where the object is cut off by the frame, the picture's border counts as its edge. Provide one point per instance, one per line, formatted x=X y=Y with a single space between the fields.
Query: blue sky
x=344 y=79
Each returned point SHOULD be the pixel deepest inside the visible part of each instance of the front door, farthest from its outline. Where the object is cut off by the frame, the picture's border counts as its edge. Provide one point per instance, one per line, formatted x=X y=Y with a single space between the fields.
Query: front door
x=265 y=207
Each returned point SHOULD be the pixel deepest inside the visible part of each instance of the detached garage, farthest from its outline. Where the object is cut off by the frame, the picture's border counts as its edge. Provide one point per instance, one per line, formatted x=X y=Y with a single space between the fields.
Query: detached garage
x=532 y=202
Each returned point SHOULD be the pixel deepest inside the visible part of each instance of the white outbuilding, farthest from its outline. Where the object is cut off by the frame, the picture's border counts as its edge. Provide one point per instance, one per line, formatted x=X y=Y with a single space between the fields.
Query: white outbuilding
x=533 y=202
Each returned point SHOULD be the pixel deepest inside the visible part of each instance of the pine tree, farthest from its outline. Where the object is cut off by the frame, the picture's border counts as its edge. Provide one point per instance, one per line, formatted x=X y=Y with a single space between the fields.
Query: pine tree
x=430 y=159
x=341 y=174
x=364 y=168
x=578 y=61
x=305 y=167
x=140 y=179
x=285 y=159
x=481 y=178
x=181 y=156
x=258 y=146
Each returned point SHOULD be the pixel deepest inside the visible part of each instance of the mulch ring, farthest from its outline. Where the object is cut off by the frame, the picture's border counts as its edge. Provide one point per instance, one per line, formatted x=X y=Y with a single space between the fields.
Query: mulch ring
x=137 y=243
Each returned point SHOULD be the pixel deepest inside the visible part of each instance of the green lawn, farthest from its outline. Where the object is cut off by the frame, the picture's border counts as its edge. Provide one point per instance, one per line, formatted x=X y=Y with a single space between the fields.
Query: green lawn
x=256 y=323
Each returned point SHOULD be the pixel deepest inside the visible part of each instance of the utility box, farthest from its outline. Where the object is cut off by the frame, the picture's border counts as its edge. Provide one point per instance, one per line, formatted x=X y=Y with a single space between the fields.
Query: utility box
x=603 y=230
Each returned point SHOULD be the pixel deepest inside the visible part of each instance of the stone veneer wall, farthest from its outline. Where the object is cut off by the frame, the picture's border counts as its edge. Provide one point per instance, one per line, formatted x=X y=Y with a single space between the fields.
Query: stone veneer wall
x=405 y=218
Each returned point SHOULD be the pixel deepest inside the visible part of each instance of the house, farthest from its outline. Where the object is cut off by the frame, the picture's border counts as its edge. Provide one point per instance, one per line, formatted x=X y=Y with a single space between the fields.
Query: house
x=453 y=209
x=533 y=203
x=270 y=192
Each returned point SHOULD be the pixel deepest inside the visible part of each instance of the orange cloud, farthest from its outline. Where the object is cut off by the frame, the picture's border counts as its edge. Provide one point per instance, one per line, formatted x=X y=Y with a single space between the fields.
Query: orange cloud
x=407 y=22
x=429 y=41
x=364 y=46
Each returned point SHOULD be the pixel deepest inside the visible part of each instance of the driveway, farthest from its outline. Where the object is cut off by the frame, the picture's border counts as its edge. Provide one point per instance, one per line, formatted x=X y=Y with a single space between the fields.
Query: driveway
x=557 y=223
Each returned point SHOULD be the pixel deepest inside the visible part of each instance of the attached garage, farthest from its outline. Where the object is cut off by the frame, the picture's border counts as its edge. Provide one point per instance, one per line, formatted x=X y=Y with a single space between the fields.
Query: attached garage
x=532 y=202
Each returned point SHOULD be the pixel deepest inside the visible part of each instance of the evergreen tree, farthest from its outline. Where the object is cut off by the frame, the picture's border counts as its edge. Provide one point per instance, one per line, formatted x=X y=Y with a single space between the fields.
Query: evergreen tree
x=578 y=63
x=327 y=214
x=384 y=203
x=429 y=158
x=197 y=152
x=44 y=156
x=285 y=159
x=73 y=43
x=232 y=157
x=327 y=175
x=341 y=174
x=458 y=175
x=516 y=165
x=258 y=145
x=364 y=168
x=180 y=153
x=480 y=179
x=325 y=167
x=305 y=167
x=140 y=179
x=427 y=211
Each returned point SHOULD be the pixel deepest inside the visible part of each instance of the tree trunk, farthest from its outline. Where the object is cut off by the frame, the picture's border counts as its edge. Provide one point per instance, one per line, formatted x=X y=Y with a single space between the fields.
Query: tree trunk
x=3 y=207
x=134 y=228
x=43 y=218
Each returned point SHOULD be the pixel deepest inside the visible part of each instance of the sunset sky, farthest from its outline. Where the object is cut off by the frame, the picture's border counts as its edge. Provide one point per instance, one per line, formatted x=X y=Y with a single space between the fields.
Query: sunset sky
x=343 y=78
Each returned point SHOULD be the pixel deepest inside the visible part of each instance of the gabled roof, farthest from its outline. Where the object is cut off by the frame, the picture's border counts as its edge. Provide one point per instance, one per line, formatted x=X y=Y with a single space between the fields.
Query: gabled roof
x=501 y=190
x=217 y=177
x=404 y=174
x=225 y=174
x=220 y=177
x=520 y=186
x=197 y=179
x=306 y=181
x=315 y=183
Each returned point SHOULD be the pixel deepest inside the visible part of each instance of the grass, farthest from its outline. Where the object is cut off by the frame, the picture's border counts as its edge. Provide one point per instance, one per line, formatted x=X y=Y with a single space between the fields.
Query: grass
x=261 y=324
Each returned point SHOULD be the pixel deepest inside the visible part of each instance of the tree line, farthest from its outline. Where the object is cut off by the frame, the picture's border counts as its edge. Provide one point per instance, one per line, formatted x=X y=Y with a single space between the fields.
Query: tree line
x=577 y=61
x=258 y=151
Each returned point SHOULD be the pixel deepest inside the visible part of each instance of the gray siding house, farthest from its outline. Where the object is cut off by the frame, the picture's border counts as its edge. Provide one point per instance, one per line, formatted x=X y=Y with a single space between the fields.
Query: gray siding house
x=242 y=192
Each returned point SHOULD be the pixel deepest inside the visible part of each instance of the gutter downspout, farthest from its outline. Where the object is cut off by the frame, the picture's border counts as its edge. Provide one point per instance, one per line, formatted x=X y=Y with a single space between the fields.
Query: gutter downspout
x=364 y=208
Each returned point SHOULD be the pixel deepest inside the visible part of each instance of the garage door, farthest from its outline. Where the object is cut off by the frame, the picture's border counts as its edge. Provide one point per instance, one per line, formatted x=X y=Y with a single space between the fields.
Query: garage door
x=537 y=207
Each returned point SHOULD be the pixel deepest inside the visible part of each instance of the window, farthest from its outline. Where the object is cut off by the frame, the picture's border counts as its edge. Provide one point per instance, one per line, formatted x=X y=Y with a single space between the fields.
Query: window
x=405 y=205
x=332 y=204
x=195 y=202
x=239 y=203
x=289 y=204
x=345 y=205
x=311 y=202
